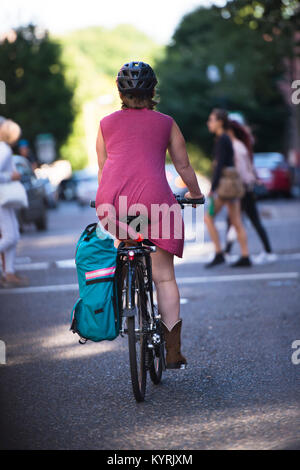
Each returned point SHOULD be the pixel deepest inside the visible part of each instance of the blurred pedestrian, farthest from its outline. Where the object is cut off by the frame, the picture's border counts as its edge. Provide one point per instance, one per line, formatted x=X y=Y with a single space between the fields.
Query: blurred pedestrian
x=25 y=151
x=242 y=143
x=9 y=227
x=223 y=158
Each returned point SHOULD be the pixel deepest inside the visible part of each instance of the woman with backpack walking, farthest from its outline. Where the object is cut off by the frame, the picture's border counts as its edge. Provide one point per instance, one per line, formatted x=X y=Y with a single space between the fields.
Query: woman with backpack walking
x=223 y=158
x=243 y=159
x=131 y=148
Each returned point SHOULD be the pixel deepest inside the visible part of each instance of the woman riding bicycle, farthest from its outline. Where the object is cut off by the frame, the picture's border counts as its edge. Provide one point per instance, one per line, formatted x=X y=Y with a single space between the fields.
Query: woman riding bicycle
x=131 y=148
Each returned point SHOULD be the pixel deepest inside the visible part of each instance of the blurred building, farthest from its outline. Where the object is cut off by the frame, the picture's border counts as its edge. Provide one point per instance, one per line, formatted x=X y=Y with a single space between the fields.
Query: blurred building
x=289 y=86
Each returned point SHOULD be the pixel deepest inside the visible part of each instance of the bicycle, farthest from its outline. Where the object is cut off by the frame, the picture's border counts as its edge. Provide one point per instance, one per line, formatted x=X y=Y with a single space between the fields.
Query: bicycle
x=139 y=317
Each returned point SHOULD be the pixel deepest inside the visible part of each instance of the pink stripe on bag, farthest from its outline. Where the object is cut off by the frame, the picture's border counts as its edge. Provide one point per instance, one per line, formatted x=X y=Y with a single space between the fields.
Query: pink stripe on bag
x=100 y=272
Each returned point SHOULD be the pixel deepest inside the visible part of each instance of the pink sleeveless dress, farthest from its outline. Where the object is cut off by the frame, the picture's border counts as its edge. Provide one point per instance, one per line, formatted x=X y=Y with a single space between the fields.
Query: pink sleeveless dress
x=136 y=141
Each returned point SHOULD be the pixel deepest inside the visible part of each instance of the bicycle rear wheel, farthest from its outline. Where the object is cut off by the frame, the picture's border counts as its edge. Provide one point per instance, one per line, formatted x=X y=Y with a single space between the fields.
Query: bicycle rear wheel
x=157 y=363
x=137 y=343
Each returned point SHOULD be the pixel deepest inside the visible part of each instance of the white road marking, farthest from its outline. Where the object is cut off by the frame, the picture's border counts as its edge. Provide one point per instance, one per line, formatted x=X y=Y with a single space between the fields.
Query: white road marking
x=40 y=289
x=23 y=259
x=180 y=280
x=33 y=266
x=237 y=277
x=191 y=257
x=183 y=300
x=289 y=256
x=65 y=263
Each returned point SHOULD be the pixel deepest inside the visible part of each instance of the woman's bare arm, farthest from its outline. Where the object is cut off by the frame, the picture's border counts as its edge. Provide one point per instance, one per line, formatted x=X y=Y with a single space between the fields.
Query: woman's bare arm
x=178 y=153
x=101 y=153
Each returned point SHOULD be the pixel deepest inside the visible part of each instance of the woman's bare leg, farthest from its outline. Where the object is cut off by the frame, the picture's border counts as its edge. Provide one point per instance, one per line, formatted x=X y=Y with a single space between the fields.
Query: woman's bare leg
x=166 y=287
x=234 y=212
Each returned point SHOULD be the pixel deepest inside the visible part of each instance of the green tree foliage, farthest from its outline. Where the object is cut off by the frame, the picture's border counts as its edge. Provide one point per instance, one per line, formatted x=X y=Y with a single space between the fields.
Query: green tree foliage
x=277 y=18
x=108 y=49
x=216 y=59
x=37 y=94
x=278 y=22
x=92 y=58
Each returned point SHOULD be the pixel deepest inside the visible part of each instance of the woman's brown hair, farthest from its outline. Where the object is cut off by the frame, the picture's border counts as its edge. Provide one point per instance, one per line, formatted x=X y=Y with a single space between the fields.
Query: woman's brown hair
x=241 y=134
x=129 y=101
x=221 y=115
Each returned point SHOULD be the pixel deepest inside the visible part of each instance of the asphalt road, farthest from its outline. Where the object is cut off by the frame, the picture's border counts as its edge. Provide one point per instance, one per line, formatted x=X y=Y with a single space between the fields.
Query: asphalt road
x=241 y=389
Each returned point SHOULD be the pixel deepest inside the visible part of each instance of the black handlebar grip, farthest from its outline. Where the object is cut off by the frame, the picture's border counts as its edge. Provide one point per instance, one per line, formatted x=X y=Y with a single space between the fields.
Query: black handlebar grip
x=184 y=200
x=93 y=203
x=193 y=201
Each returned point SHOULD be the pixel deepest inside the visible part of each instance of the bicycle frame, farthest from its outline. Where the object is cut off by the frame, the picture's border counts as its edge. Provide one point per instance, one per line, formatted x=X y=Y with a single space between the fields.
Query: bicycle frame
x=131 y=254
x=128 y=259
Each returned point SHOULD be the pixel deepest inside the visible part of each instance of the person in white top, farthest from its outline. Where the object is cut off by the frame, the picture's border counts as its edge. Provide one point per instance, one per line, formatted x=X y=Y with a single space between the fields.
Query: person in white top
x=242 y=148
x=9 y=227
x=242 y=161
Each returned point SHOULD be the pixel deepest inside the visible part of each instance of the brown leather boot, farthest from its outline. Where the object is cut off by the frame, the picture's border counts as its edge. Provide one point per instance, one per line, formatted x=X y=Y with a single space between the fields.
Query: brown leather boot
x=174 y=358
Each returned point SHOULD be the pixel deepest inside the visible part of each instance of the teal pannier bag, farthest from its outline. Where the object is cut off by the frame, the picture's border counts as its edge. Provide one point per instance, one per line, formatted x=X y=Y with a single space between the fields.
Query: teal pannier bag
x=95 y=315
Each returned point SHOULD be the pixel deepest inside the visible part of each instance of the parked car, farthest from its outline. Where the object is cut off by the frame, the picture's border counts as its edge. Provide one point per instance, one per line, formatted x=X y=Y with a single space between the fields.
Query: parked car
x=86 y=189
x=273 y=173
x=51 y=193
x=36 y=212
x=67 y=189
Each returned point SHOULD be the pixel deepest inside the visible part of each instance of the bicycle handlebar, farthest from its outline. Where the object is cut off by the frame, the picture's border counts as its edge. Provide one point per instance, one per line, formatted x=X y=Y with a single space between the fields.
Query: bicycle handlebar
x=179 y=199
x=185 y=200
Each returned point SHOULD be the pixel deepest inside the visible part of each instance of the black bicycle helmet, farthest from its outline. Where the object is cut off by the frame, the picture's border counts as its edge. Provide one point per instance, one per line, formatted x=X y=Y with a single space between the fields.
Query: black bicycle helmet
x=136 y=78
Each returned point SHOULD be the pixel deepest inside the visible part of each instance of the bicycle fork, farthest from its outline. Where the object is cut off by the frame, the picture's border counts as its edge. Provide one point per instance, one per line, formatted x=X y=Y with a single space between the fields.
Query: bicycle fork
x=130 y=309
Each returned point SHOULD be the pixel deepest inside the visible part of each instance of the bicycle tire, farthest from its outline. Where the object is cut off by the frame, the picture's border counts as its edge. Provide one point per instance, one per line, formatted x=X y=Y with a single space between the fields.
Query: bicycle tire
x=138 y=368
x=156 y=368
x=155 y=362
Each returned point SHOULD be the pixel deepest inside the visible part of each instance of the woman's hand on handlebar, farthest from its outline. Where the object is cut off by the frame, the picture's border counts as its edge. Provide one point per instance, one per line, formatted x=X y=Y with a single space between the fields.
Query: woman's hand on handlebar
x=189 y=195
